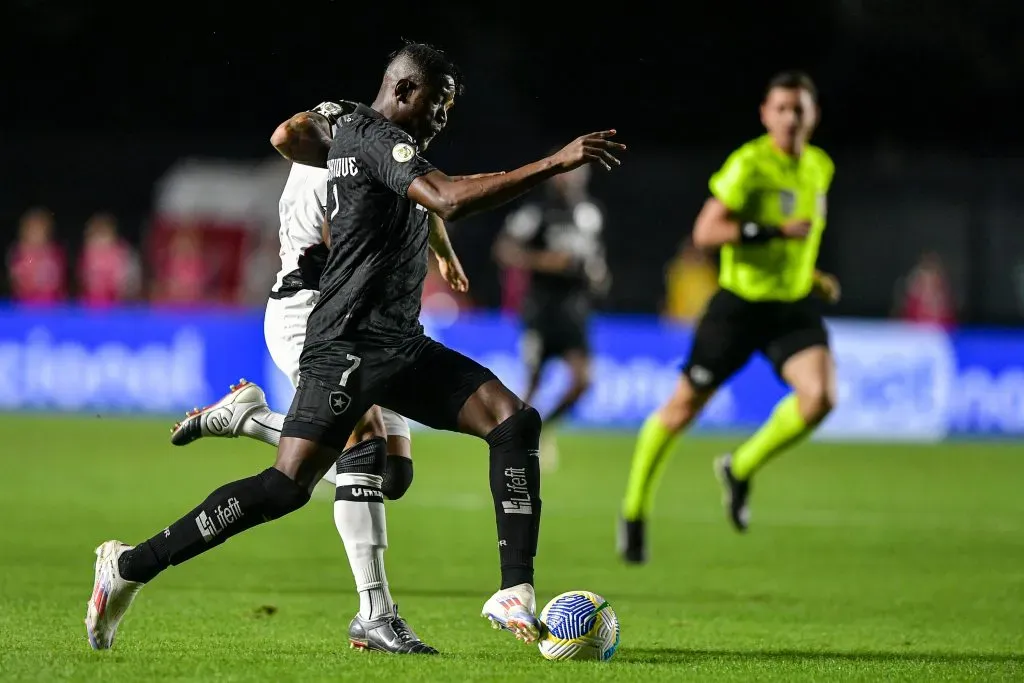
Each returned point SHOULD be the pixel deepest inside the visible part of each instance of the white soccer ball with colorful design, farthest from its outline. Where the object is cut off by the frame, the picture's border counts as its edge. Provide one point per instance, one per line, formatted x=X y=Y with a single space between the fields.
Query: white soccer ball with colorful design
x=579 y=625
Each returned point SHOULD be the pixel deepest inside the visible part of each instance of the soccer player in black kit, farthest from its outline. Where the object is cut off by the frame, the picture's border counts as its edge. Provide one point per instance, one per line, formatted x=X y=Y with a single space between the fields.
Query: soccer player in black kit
x=365 y=346
x=558 y=241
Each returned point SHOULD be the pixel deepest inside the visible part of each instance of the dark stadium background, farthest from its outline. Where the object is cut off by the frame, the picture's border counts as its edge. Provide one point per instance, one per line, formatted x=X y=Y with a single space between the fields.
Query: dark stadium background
x=920 y=112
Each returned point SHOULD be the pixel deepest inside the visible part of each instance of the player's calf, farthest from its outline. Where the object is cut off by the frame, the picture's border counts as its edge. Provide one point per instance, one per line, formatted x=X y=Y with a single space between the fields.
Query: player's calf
x=515 y=487
x=226 y=512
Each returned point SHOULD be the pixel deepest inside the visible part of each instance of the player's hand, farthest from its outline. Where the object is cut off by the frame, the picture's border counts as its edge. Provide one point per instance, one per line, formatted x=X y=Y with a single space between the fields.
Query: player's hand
x=827 y=287
x=451 y=271
x=593 y=148
x=796 y=230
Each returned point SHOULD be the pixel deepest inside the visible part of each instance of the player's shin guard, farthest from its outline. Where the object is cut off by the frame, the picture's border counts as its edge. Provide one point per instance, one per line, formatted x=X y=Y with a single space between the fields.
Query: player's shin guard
x=359 y=516
x=397 y=477
x=228 y=511
x=515 y=487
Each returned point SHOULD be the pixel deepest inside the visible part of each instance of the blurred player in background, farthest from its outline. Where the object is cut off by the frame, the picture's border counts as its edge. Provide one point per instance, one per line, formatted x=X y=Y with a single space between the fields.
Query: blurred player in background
x=558 y=242
x=767 y=215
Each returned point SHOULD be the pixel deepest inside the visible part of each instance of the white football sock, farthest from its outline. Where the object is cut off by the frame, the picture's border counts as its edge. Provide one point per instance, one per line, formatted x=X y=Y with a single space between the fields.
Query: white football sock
x=359 y=516
x=263 y=424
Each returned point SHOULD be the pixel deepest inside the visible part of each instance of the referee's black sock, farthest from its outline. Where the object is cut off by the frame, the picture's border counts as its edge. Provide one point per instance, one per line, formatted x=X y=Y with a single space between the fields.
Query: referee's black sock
x=228 y=511
x=515 y=487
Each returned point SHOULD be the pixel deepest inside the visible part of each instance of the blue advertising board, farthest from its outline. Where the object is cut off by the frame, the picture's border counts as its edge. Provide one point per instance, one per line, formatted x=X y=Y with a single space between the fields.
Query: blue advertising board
x=896 y=382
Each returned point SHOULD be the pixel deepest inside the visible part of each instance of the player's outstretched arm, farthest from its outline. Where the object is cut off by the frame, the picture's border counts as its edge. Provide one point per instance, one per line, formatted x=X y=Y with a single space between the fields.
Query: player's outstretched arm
x=304 y=139
x=716 y=225
x=452 y=199
x=447 y=261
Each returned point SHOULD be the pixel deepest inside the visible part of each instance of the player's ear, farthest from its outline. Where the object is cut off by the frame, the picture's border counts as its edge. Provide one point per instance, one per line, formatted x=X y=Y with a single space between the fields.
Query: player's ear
x=403 y=89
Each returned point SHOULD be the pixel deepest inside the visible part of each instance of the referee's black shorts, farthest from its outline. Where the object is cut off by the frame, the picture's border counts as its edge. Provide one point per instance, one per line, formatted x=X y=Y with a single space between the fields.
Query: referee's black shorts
x=732 y=329
x=554 y=329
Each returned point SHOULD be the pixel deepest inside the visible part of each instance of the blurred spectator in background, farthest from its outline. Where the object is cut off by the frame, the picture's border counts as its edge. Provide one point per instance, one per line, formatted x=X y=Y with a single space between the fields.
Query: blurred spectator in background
x=261 y=264
x=924 y=295
x=35 y=263
x=181 y=273
x=108 y=271
x=514 y=284
x=690 y=280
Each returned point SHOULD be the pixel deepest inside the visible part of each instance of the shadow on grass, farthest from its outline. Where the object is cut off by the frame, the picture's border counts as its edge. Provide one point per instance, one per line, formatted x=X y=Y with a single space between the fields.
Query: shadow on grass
x=642 y=655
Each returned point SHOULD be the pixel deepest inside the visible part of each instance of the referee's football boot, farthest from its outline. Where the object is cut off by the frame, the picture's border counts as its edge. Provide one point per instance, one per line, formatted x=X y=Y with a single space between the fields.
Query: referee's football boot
x=514 y=610
x=223 y=418
x=111 y=596
x=389 y=634
x=633 y=541
x=735 y=494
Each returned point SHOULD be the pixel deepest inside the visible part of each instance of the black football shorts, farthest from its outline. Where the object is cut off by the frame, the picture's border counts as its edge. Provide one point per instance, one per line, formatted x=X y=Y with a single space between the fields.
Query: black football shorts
x=732 y=329
x=554 y=329
x=419 y=378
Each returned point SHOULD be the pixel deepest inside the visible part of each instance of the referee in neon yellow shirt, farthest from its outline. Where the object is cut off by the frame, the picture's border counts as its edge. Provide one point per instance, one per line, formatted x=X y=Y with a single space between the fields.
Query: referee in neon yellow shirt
x=767 y=215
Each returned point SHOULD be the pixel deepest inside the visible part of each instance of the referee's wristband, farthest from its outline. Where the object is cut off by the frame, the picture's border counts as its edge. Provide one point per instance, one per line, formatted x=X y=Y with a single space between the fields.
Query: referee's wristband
x=755 y=233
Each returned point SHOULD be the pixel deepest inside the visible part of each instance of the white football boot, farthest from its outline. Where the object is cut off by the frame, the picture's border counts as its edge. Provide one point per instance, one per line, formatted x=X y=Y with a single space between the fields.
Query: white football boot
x=111 y=596
x=515 y=610
x=223 y=418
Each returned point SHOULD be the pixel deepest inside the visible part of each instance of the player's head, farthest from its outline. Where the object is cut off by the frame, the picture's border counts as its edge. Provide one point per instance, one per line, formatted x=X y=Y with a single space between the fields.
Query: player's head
x=790 y=109
x=422 y=84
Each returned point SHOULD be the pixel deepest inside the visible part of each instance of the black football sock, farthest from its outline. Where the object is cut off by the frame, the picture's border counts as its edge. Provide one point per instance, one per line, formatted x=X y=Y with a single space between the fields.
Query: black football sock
x=397 y=476
x=515 y=487
x=228 y=511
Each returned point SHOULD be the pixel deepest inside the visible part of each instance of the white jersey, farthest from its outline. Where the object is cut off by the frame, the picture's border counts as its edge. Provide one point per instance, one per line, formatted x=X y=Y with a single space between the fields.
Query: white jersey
x=301 y=208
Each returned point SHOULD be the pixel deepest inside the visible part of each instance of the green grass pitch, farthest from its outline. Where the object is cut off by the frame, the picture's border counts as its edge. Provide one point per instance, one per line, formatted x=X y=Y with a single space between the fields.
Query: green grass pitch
x=864 y=562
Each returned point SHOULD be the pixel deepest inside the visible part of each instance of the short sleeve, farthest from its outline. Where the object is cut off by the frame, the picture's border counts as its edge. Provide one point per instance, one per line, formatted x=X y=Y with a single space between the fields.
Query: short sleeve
x=329 y=110
x=731 y=184
x=389 y=155
x=828 y=169
x=522 y=224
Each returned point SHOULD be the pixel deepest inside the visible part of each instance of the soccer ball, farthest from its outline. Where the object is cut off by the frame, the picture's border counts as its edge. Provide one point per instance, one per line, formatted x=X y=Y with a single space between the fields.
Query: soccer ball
x=579 y=625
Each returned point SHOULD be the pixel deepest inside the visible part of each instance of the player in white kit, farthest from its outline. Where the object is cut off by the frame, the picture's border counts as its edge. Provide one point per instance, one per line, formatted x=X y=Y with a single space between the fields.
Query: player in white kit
x=244 y=410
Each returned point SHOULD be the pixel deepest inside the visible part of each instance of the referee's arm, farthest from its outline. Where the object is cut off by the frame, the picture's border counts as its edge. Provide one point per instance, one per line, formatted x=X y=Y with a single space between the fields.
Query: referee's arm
x=718 y=225
x=715 y=226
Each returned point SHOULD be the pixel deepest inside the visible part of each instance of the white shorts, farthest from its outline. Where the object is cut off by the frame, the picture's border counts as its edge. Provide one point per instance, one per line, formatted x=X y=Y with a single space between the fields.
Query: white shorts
x=284 y=327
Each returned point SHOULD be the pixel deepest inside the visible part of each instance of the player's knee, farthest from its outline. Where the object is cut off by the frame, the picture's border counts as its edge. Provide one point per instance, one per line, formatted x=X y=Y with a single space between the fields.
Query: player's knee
x=366 y=457
x=816 y=401
x=370 y=426
x=397 y=477
x=521 y=429
x=682 y=407
x=281 y=494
